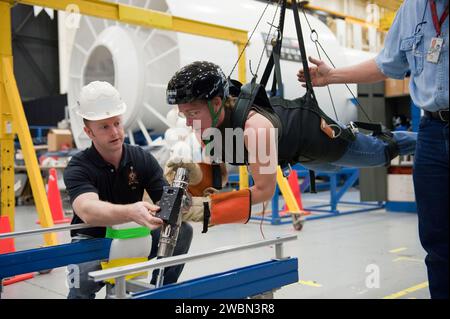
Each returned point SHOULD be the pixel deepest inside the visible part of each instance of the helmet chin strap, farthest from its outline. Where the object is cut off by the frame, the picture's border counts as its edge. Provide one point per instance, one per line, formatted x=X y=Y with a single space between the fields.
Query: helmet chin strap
x=215 y=119
x=215 y=115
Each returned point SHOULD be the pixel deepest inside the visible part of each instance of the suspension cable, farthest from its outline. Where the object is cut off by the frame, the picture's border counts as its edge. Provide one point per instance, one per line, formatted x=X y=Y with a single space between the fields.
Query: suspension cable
x=251 y=35
x=268 y=36
x=317 y=43
x=328 y=87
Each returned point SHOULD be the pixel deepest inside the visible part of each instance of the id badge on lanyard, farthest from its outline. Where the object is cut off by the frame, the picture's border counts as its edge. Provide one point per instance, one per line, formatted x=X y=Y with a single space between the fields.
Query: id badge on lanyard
x=435 y=49
x=436 y=42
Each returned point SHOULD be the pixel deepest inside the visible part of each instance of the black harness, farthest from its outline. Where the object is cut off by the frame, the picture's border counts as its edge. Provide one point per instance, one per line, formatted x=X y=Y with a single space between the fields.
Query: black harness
x=307 y=134
x=301 y=138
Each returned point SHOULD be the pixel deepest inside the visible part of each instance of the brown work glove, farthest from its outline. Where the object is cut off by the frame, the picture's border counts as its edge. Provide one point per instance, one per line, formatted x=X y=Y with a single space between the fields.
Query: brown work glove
x=194 y=171
x=196 y=211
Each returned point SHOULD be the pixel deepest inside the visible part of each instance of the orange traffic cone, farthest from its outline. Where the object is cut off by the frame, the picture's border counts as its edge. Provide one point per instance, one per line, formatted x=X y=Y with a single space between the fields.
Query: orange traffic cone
x=7 y=246
x=293 y=183
x=54 y=199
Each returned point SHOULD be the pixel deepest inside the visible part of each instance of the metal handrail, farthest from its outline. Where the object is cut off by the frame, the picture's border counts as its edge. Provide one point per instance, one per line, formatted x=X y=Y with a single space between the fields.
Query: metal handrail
x=44 y=230
x=118 y=272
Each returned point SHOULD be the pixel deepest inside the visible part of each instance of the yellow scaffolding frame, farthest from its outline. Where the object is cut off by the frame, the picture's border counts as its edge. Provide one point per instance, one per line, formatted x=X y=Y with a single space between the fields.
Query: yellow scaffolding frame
x=12 y=116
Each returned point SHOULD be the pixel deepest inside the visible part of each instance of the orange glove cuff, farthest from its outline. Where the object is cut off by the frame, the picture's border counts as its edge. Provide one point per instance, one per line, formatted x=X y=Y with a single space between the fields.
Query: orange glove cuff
x=231 y=207
x=207 y=180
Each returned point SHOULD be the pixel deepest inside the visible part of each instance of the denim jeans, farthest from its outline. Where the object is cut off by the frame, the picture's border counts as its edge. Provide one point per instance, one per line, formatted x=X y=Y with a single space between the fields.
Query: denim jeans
x=431 y=189
x=368 y=151
x=88 y=288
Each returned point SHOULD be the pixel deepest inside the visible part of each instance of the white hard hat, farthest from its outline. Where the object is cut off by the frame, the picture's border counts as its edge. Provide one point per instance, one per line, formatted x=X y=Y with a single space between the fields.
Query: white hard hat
x=99 y=100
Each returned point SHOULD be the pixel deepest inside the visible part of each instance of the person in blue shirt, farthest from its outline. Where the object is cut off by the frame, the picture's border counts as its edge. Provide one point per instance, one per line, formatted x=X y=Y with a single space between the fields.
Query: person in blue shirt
x=417 y=42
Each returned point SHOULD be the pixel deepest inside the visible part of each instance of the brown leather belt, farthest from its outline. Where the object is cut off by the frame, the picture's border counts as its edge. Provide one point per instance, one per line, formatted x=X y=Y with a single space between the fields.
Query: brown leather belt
x=441 y=115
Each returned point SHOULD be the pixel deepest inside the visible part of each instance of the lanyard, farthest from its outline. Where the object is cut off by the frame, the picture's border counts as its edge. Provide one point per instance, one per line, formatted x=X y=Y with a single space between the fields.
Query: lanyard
x=438 y=23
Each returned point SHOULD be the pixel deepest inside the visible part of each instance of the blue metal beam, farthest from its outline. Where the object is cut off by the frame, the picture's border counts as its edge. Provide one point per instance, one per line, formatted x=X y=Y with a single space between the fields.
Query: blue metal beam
x=348 y=184
x=336 y=194
x=234 y=284
x=26 y=261
x=327 y=213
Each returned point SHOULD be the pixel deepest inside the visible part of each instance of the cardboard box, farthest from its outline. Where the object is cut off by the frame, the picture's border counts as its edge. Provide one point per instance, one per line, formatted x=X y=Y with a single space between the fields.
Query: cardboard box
x=393 y=87
x=406 y=86
x=59 y=139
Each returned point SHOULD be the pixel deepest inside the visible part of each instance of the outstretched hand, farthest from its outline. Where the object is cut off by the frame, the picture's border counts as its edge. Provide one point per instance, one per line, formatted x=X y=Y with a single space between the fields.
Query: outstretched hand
x=320 y=73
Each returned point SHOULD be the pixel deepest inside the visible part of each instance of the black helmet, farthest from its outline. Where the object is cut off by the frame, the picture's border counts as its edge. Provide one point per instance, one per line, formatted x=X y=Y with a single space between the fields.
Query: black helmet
x=199 y=80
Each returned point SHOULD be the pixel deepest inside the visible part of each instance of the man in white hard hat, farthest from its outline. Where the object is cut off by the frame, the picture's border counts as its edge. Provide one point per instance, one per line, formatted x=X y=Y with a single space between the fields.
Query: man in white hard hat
x=106 y=182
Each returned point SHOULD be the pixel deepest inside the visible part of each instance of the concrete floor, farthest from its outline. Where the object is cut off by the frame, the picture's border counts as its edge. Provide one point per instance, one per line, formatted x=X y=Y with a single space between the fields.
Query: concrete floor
x=336 y=255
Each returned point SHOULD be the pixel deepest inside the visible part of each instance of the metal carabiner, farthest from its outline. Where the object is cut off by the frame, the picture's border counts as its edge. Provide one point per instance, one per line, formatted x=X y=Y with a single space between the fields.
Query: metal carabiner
x=316 y=38
x=286 y=170
x=277 y=38
x=353 y=128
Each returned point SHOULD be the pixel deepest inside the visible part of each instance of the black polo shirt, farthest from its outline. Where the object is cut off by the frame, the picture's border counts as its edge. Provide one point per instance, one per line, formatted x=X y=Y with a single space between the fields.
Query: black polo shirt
x=88 y=172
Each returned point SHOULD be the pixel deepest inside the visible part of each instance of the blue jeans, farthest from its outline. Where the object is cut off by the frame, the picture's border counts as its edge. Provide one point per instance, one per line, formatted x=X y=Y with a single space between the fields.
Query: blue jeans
x=88 y=288
x=431 y=188
x=368 y=151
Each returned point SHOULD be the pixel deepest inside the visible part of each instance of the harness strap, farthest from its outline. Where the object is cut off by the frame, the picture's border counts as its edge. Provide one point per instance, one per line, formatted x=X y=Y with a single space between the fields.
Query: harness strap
x=216 y=176
x=301 y=42
x=277 y=78
x=249 y=93
x=243 y=104
x=373 y=127
x=206 y=217
x=309 y=86
x=382 y=133
x=267 y=71
x=276 y=50
x=392 y=149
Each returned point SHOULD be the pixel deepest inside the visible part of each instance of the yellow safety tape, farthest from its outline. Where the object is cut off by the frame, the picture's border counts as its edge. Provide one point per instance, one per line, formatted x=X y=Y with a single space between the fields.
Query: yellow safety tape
x=397 y=250
x=310 y=283
x=407 y=291
x=408 y=259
